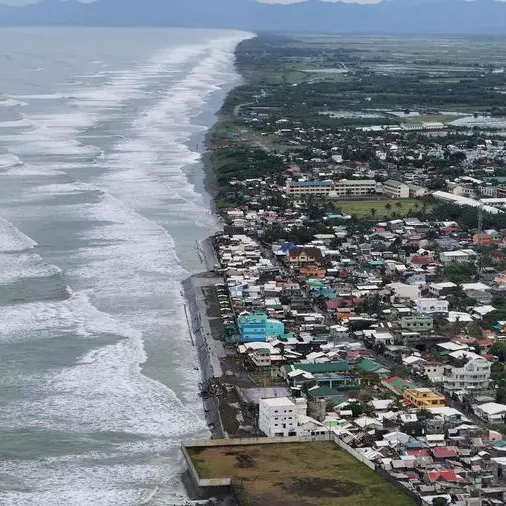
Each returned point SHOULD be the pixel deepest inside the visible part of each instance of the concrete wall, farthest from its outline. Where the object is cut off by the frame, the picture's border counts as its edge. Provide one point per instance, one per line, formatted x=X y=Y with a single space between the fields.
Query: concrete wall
x=209 y=485
x=223 y=486
x=348 y=449
x=208 y=443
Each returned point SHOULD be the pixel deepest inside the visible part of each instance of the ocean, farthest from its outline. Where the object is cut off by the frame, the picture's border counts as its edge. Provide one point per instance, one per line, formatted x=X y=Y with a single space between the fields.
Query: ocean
x=101 y=205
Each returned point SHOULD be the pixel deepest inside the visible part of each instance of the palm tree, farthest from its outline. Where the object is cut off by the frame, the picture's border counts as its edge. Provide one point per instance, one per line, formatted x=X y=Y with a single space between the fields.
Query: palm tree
x=373 y=211
x=398 y=204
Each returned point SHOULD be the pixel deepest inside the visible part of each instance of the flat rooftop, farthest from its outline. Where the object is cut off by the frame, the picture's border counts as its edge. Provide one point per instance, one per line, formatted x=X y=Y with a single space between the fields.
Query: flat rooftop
x=296 y=474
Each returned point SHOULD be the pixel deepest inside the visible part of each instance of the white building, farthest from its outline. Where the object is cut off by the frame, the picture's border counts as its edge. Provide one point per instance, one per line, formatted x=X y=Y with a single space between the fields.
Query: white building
x=396 y=189
x=354 y=188
x=473 y=376
x=431 y=305
x=283 y=416
x=333 y=189
x=491 y=411
x=461 y=255
x=278 y=417
x=438 y=289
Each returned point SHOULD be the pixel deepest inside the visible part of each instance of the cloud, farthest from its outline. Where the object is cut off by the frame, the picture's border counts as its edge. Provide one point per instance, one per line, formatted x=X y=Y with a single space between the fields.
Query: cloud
x=333 y=1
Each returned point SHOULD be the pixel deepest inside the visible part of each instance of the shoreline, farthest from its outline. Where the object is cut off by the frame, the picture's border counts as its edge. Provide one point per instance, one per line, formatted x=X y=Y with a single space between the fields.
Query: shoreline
x=211 y=353
x=209 y=349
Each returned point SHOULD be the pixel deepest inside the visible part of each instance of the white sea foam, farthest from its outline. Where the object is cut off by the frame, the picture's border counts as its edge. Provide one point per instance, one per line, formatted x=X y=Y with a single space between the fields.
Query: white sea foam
x=24 y=265
x=16 y=123
x=39 y=96
x=12 y=239
x=91 y=484
x=161 y=134
x=127 y=84
x=9 y=160
x=104 y=390
x=128 y=281
x=11 y=102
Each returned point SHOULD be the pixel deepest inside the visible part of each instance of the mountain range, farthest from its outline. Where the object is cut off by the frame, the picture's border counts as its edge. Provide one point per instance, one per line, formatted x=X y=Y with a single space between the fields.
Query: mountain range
x=478 y=17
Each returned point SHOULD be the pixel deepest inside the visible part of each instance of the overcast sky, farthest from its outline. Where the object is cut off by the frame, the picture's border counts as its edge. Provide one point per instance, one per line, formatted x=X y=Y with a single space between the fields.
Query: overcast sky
x=21 y=2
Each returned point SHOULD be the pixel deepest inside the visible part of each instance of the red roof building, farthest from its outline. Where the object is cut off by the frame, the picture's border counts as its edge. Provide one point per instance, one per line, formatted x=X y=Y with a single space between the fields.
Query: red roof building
x=444 y=453
x=444 y=475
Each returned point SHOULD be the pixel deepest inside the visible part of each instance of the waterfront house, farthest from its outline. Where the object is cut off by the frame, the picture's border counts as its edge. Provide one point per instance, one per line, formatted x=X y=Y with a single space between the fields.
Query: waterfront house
x=257 y=327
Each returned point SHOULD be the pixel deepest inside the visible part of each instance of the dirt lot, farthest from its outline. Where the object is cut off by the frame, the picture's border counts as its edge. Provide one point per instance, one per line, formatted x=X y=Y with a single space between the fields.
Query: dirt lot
x=297 y=474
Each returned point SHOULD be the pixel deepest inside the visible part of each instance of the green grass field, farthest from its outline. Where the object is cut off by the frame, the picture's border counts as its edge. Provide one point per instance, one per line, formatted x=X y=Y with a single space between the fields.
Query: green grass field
x=296 y=474
x=364 y=208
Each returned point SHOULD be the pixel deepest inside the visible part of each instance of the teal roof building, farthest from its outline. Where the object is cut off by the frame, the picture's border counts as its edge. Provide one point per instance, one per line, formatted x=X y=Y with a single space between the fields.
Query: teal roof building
x=257 y=327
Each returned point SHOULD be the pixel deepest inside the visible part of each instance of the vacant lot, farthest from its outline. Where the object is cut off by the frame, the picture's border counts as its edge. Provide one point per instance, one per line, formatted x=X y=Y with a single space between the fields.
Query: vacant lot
x=297 y=474
x=379 y=208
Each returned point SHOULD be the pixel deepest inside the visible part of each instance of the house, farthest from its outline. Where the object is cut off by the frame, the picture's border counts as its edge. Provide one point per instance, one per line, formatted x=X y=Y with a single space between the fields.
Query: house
x=396 y=189
x=257 y=327
x=440 y=289
x=304 y=256
x=325 y=374
x=429 y=305
x=368 y=365
x=404 y=292
x=312 y=271
x=423 y=398
x=462 y=255
x=491 y=411
x=487 y=237
x=434 y=371
x=472 y=377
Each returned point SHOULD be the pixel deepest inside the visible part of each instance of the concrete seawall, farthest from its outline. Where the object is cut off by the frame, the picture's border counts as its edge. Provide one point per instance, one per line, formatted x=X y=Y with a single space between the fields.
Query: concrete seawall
x=206 y=347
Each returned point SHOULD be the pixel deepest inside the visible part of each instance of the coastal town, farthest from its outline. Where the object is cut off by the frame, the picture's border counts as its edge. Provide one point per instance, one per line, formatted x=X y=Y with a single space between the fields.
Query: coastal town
x=358 y=289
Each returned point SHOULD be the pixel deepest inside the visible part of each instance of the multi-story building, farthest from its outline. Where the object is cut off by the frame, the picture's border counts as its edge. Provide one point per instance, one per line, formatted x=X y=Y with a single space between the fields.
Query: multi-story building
x=473 y=376
x=423 y=398
x=278 y=417
x=257 y=327
x=431 y=305
x=338 y=189
x=396 y=189
x=302 y=257
x=417 y=322
x=354 y=188
x=322 y=188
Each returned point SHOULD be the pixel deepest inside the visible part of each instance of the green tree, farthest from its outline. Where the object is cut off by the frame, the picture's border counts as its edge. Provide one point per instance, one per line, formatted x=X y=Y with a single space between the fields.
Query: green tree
x=499 y=350
x=439 y=501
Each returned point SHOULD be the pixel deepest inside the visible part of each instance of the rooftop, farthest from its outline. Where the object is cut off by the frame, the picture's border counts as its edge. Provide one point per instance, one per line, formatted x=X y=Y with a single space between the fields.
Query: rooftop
x=278 y=402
